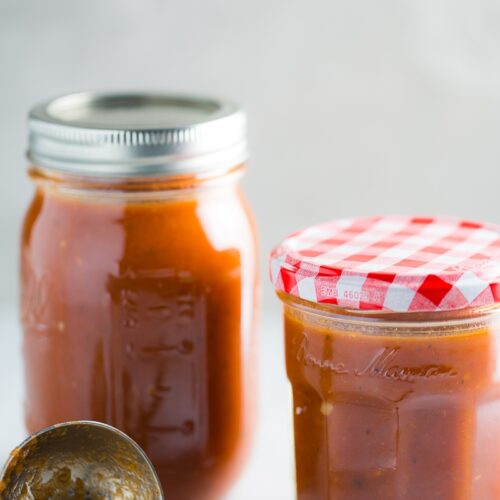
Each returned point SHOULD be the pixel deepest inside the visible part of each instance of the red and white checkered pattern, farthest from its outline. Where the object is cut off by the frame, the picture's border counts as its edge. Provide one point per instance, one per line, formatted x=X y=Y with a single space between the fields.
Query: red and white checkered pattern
x=392 y=263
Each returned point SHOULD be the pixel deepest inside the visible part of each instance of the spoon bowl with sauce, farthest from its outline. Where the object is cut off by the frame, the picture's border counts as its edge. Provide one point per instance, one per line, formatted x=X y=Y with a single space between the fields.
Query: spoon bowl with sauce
x=81 y=460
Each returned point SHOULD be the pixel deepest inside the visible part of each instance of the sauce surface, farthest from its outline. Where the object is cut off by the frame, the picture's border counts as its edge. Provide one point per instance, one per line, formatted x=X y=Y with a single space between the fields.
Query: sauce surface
x=140 y=314
x=389 y=415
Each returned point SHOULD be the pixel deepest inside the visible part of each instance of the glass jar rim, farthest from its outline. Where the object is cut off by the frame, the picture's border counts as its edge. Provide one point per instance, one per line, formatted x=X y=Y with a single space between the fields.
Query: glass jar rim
x=138 y=190
x=468 y=318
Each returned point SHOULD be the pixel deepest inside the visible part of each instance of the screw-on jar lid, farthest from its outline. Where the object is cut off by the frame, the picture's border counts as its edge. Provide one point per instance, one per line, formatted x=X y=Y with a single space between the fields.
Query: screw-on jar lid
x=392 y=263
x=136 y=134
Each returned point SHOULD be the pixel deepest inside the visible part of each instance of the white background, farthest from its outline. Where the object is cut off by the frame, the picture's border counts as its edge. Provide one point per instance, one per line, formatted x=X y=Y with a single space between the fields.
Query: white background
x=355 y=107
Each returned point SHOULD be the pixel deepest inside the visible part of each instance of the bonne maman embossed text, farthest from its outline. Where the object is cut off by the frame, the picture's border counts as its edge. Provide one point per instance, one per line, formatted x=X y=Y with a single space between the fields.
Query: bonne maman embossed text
x=384 y=364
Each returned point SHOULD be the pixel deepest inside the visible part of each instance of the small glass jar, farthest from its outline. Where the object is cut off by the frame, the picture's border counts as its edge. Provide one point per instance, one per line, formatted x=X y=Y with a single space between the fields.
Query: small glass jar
x=402 y=402
x=139 y=280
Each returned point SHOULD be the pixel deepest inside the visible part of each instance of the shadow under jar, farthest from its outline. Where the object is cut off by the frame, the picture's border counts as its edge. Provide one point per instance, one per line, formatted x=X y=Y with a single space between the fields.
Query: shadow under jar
x=392 y=333
x=139 y=280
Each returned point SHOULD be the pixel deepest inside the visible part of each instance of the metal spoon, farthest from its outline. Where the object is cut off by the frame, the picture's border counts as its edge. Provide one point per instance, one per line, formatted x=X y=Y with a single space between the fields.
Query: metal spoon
x=79 y=460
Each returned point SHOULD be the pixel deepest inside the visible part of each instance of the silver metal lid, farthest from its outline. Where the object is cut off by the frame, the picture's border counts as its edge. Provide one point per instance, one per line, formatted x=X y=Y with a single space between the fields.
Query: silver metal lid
x=136 y=134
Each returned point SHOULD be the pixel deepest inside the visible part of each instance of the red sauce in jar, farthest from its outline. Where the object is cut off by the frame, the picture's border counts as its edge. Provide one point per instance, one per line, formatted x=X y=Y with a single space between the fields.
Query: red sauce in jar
x=392 y=330
x=386 y=411
x=138 y=311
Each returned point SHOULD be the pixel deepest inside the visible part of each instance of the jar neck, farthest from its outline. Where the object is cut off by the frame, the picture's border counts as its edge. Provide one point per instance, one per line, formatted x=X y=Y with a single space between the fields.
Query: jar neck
x=412 y=322
x=134 y=186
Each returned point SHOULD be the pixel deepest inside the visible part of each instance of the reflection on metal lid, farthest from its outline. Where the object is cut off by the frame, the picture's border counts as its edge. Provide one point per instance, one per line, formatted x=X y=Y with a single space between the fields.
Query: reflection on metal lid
x=136 y=134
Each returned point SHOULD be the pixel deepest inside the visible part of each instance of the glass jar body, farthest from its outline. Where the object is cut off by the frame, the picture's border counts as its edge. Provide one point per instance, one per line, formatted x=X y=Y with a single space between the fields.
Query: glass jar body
x=138 y=309
x=393 y=407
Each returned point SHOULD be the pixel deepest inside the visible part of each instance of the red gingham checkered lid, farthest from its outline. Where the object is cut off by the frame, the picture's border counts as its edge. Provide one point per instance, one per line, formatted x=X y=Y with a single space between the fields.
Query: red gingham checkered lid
x=392 y=263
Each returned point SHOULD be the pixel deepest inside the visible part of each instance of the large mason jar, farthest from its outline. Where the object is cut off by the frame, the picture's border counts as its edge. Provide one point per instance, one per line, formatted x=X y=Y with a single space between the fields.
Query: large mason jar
x=139 y=279
x=392 y=334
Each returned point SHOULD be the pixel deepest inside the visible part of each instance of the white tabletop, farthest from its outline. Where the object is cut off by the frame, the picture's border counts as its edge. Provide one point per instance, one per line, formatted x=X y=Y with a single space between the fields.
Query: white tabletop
x=269 y=472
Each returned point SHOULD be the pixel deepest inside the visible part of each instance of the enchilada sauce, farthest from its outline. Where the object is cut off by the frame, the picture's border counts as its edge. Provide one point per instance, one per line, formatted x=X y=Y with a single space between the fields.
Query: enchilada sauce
x=138 y=313
x=390 y=415
x=392 y=333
